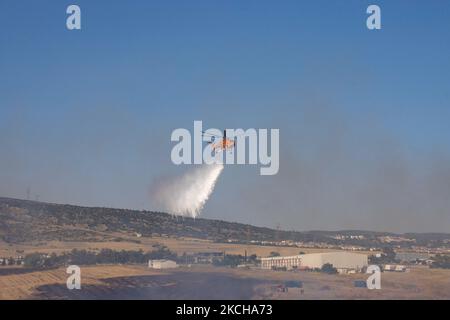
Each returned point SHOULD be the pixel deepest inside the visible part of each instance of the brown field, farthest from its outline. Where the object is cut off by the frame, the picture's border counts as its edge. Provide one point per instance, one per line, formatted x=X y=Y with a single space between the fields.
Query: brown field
x=139 y=282
x=178 y=245
x=202 y=282
x=419 y=283
x=22 y=286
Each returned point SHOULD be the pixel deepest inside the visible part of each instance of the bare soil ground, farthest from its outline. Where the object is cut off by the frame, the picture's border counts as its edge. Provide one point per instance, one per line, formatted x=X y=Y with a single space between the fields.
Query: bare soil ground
x=207 y=282
x=129 y=242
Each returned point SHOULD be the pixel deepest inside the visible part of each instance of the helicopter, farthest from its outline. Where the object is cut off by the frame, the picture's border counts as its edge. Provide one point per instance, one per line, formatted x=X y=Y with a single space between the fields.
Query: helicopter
x=220 y=143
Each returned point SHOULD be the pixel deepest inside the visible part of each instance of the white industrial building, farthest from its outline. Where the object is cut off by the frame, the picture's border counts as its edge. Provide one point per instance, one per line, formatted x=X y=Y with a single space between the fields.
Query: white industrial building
x=341 y=260
x=162 y=264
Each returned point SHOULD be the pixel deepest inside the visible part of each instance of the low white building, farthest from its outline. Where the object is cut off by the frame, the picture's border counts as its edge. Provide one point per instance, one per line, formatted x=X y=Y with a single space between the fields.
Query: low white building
x=394 y=267
x=162 y=264
x=341 y=260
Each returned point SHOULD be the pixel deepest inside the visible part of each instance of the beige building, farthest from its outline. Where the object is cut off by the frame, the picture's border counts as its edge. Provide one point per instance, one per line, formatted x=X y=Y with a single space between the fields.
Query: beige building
x=341 y=260
x=161 y=264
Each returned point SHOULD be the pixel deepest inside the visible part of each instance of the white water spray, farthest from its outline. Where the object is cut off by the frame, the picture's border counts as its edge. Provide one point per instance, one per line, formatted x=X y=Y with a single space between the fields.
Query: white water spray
x=187 y=194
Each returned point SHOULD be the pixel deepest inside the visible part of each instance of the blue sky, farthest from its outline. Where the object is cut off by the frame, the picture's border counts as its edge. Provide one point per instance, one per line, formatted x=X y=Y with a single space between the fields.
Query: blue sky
x=86 y=116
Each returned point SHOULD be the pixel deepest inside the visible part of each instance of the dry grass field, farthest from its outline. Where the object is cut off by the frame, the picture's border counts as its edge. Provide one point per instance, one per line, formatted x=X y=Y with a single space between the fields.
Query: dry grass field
x=202 y=282
x=128 y=242
x=208 y=282
x=22 y=285
x=419 y=283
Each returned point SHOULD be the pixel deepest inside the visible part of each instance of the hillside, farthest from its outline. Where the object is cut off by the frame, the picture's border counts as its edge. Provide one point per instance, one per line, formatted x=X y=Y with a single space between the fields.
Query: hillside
x=26 y=221
x=22 y=220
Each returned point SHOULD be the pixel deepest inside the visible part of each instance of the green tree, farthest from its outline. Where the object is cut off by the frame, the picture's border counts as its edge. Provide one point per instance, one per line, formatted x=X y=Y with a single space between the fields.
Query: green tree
x=441 y=261
x=328 y=268
x=231 y=260
x=33 y=260
x=389 y=253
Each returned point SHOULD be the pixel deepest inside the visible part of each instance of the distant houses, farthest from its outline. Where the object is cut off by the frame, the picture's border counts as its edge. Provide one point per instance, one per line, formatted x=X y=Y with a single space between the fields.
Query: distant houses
x=412 y=257
x=394 y=268
x=11 y=261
